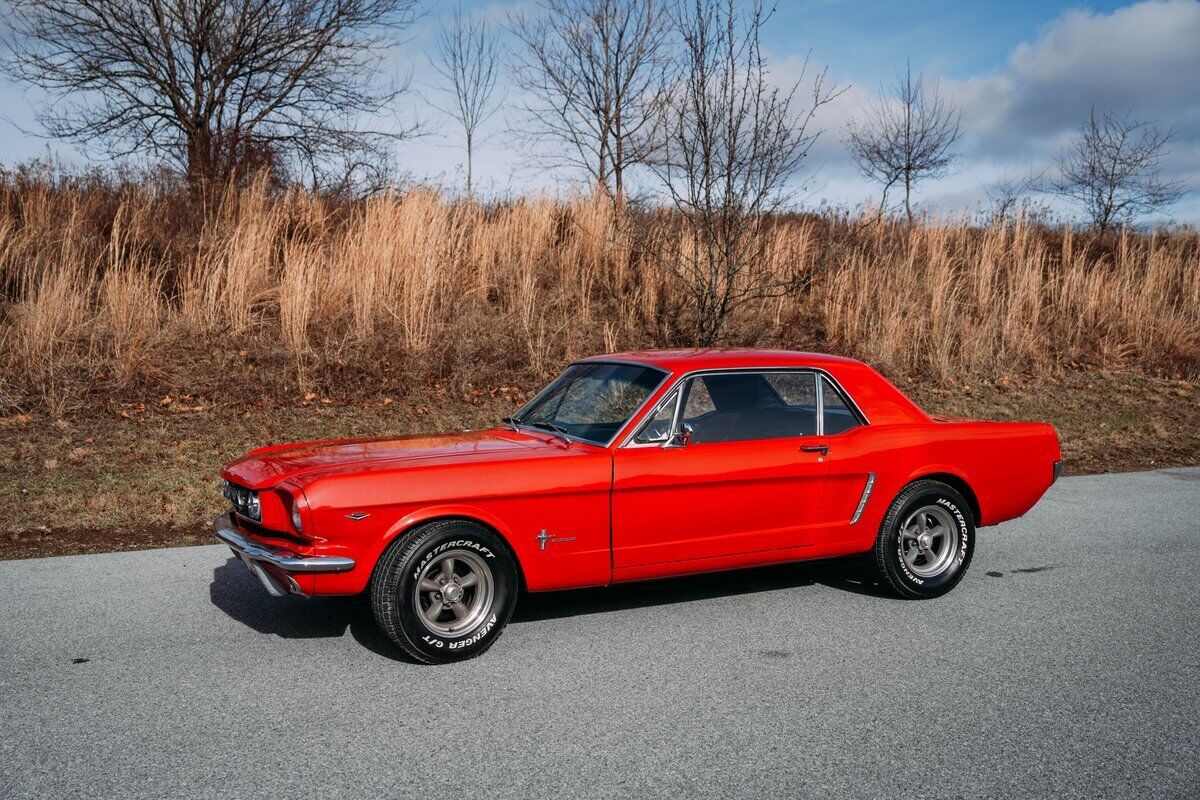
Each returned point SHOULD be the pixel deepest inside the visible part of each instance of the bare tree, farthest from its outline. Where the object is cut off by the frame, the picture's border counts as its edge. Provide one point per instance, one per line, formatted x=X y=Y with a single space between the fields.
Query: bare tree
x=905 y=137
x=468 y=59
x=730 y=143
x=1113 y=169
x=1009 y=195
x=592 y=69
x=208 y=82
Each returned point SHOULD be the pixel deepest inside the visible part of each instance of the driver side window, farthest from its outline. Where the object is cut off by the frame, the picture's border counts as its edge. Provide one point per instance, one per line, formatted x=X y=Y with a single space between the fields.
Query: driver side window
x=742 y=406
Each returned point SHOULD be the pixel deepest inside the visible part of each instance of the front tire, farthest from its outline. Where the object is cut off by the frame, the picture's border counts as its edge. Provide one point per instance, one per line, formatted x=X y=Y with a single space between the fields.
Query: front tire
x=444 y=591
x=926 y=541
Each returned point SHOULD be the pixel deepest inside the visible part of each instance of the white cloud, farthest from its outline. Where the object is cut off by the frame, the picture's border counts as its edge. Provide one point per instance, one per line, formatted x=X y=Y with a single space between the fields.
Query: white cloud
x=1142 y=60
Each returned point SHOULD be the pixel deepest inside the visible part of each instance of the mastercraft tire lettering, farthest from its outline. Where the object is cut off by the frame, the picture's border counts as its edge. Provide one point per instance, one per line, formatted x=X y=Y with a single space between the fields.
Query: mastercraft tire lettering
x=444 y=591
x=926 y=541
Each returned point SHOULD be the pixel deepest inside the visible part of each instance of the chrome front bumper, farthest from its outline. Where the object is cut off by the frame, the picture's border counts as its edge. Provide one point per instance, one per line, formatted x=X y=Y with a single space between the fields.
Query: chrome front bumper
x=254 y=556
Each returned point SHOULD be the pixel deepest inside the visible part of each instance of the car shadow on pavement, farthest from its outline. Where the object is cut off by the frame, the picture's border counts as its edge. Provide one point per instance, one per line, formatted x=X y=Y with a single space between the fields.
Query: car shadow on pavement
x=238 y=594
x=851 y=575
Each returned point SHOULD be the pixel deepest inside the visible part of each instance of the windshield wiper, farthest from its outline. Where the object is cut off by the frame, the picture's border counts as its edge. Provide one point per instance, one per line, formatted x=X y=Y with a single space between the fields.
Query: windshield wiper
x=558 y=430
x=510 y=422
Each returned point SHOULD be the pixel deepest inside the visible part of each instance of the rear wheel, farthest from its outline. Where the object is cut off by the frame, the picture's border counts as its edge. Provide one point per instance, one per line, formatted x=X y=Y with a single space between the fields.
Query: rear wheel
x=445 y=591
x=926 y=540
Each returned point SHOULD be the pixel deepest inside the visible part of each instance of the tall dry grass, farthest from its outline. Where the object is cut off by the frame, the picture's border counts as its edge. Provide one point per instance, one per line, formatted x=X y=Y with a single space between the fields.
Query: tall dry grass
x=124 y=291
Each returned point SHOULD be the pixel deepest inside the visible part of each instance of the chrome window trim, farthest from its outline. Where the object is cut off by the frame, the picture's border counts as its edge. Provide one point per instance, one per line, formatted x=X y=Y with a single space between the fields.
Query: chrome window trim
x=649 y=396
x=819 y=372
x=846 y=398
x=676 y=390
x=819 y=388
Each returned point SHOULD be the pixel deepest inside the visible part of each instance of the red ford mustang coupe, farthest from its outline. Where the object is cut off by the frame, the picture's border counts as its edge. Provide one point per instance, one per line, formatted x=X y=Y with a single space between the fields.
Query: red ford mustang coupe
x=628 y=467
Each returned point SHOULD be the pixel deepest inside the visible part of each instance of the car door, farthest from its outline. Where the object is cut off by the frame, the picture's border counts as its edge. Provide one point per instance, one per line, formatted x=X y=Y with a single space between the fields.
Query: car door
x=749 y=477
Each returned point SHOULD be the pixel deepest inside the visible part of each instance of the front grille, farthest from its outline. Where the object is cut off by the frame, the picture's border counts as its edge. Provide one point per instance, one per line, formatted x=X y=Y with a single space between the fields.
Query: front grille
x=244 y=501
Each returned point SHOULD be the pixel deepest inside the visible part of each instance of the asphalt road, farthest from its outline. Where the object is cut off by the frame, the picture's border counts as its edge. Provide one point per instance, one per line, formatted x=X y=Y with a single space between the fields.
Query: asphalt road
x=1067 y=664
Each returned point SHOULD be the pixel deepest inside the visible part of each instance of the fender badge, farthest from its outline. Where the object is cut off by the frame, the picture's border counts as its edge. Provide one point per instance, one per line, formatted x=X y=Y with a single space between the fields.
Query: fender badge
x=544 y=538
x=357 y=515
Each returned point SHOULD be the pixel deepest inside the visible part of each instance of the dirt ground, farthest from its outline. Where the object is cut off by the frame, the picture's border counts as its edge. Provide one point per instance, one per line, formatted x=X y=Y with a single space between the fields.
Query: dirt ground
x=139 y=475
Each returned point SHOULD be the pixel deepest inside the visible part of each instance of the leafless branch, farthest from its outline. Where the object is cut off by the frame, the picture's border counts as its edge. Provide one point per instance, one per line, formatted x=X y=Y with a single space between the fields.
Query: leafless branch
x=205 y=81
x=592 y=69
x=905 y=137
x=730 y=142
x=1113 y=169
x=1010 y=196
x=468 y=60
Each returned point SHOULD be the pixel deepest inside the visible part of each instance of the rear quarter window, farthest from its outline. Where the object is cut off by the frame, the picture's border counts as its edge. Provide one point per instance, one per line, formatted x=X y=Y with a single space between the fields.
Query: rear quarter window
x=839 y=417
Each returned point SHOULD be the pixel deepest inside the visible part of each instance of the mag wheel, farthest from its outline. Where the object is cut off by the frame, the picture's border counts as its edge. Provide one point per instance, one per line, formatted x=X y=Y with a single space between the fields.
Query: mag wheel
x=926 y=540
x=444 y=591
x=454 y=592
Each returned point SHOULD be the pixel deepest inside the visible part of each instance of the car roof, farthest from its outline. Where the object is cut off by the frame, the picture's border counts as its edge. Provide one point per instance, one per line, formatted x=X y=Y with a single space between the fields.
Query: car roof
x=688 y=360
x=874 y=395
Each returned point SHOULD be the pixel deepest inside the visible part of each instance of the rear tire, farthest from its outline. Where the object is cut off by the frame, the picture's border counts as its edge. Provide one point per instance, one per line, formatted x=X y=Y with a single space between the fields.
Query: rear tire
x=444 y=591
x=926 y=541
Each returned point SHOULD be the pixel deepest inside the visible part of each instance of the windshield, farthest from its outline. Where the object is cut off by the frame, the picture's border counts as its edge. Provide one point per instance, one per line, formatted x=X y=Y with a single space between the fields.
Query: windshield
x=591 y=401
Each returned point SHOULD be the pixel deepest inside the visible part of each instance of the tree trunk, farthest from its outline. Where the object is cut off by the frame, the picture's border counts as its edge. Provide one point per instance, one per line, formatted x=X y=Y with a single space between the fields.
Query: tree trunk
x=469 y=195
x=908 y=197
x=199 y=160
x=618 y=167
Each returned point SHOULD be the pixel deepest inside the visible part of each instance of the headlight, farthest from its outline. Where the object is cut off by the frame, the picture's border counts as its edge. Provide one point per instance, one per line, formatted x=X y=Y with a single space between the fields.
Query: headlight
x=244 y=501
x=296 y=517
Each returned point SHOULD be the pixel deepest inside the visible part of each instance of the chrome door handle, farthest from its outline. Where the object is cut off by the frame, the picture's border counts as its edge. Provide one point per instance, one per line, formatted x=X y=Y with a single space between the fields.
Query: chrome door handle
x=823 y=449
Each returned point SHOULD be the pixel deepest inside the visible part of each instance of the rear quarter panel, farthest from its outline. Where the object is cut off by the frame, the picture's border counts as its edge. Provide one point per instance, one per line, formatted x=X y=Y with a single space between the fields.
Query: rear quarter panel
x=1007 y=465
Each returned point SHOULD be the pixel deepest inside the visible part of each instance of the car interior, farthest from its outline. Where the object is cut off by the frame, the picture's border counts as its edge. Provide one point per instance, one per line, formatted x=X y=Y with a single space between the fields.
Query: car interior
x=735 y=407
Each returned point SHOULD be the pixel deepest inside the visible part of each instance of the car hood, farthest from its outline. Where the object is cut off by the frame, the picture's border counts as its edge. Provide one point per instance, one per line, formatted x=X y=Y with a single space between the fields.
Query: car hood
x=267 y=466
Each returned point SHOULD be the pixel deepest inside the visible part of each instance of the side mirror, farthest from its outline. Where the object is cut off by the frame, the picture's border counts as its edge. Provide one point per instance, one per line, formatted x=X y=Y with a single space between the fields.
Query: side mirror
x=681 y=437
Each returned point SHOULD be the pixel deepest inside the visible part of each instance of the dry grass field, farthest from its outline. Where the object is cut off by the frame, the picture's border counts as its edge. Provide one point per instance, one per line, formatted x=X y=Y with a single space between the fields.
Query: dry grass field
x=145 y=341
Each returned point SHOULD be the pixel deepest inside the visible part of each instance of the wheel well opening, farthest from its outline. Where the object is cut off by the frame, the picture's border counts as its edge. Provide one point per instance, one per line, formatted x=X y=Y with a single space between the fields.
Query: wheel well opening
x=503 y=539
x=960 y=486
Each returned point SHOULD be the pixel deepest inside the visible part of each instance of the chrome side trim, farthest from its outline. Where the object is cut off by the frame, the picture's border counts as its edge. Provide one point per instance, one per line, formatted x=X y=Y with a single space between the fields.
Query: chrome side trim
x=866 y=495
x=245 y=548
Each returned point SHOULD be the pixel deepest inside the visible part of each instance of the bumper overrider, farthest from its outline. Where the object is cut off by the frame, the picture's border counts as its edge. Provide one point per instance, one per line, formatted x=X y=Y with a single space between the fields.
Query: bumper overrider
x=257 y=558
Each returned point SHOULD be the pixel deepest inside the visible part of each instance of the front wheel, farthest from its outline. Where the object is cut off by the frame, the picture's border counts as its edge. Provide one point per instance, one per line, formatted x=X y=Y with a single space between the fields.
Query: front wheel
x=444 y=591
x=926 y=540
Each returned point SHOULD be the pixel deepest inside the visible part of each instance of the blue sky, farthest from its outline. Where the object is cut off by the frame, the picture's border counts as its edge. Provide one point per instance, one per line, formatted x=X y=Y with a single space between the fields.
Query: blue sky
x=868 y=39
x=1024 y=74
